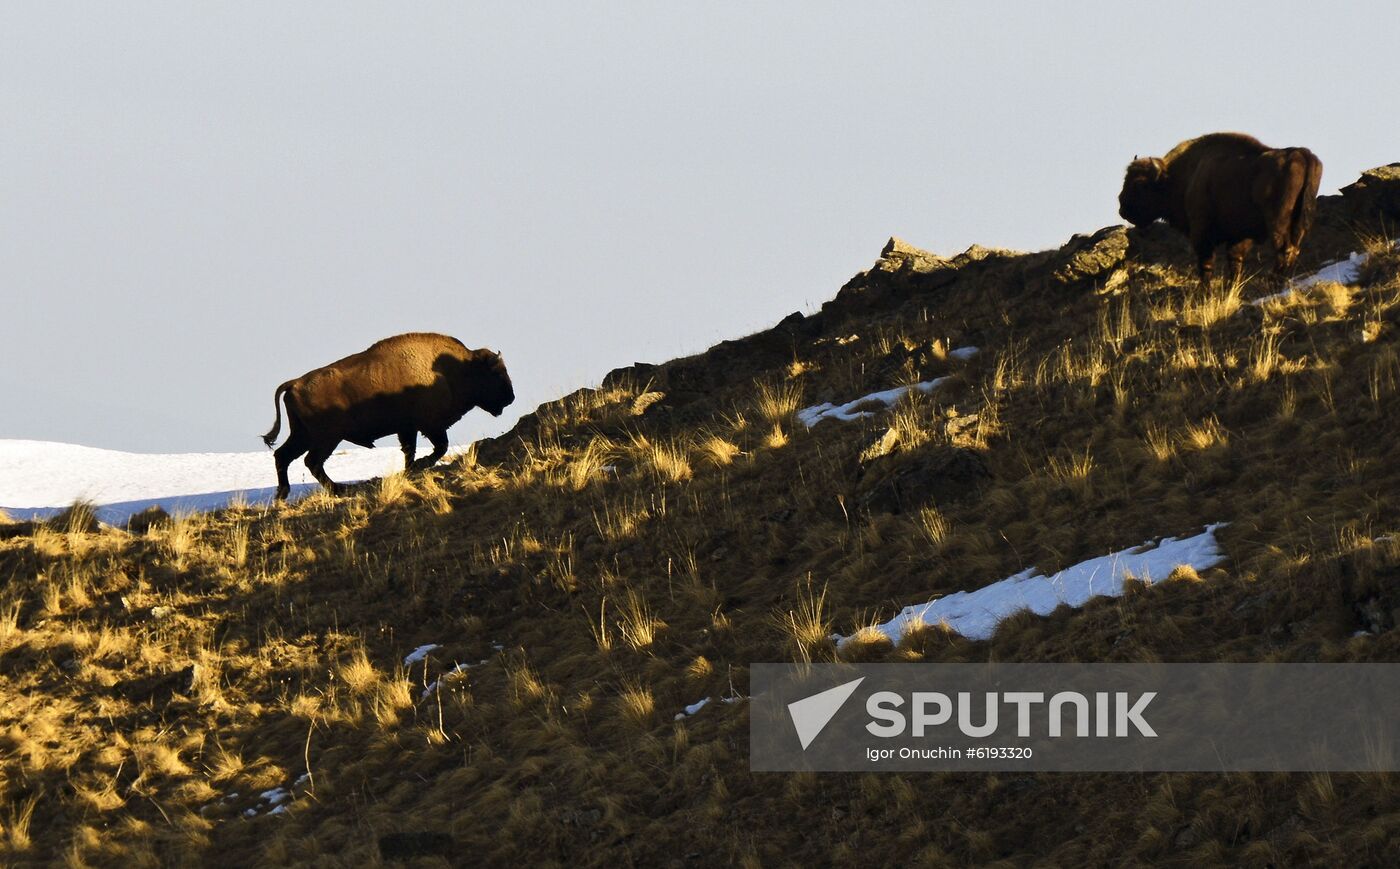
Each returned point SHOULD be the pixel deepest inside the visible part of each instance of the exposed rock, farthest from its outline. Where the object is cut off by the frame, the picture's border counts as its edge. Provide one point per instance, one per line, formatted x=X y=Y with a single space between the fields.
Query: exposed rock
x=1096 y=258
x=961 y=428
x=798 y=324
x=1377 y=190
x=900 y=256
x=1158 y=244
x=636 y=375
x=903 y=269
x=905 y=481
x=883 y=446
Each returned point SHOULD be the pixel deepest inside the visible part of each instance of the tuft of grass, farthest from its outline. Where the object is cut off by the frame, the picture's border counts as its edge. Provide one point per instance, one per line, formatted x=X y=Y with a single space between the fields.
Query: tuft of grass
x=719 y=451
x=637 y=626
x=181 y=536
x=776 y=403
x=1206 y=434
x=238 y=545
x=78 y=518
x=588 y=465
x=869 y=643
x=935 y=527
x=1264 y=358
x=394 y=488
x=667 y=459
x=1184 y=573
x=10 y=632
x=636 y=705
x=1210 y=306
x=807 y=626
x=17 y=826
x=1071 y=471
x=359 y=673
x=1159 y=443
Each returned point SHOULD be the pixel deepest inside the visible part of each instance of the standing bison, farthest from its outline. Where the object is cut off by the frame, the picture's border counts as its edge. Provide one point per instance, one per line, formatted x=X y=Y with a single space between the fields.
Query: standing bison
x=1227 y=188
x=400 y=386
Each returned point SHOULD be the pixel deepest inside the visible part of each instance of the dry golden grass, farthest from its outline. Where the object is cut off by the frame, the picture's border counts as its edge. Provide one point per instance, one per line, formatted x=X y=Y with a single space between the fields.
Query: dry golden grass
x=636 y=705
x=637 y=626
x=719 y=451
x=934 y=527
x=145 y=680
x=667 y=460
x=1205 y=434
x=777 y=403
x=807 y=625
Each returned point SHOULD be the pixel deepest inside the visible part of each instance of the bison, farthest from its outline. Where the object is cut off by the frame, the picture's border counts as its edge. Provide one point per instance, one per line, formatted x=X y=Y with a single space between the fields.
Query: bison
x=1227 y=188
x=419 y=382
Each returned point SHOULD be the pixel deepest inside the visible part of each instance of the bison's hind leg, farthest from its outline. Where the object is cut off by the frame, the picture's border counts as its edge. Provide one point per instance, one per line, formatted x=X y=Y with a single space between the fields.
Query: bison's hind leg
x=284 y=456
x=316 y=464
x=1205 y=267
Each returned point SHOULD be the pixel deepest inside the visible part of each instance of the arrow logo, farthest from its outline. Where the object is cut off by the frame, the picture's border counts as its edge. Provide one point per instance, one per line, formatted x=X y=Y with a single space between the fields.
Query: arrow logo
x=810 y=715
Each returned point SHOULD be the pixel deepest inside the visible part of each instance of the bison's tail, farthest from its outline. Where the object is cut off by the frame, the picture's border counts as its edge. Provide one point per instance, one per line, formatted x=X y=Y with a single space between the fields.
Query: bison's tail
x=271 y=437
x=1309 y=170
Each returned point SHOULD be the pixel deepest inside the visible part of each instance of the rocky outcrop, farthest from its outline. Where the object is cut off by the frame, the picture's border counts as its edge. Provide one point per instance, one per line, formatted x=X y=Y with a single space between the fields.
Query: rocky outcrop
x=903 y=482
x=1377 y=191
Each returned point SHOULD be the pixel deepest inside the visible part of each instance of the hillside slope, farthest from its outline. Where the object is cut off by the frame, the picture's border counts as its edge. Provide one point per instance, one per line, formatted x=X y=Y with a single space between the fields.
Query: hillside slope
x=492 y=663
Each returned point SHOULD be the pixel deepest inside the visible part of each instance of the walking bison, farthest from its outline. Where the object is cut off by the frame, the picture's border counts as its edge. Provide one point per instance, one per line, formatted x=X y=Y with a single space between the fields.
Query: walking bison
x=1227 y=188
x=418 y=382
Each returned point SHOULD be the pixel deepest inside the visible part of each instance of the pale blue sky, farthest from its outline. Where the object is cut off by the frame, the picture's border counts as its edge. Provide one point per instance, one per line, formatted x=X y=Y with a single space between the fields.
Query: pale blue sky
x=199 y=201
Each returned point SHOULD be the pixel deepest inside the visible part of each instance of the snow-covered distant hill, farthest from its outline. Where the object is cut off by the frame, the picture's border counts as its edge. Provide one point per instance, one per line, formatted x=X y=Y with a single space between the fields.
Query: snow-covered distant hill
x=39 y=478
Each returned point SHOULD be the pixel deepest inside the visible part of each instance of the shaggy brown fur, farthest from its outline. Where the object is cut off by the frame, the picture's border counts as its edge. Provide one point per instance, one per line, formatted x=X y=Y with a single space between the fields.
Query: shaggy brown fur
x=1227 y=188
x=400 y=386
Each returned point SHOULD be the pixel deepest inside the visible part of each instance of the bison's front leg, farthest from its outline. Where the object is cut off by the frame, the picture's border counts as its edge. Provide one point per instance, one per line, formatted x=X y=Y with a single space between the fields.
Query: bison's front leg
x=439 y=441
x=316 y=464
x=408 y=441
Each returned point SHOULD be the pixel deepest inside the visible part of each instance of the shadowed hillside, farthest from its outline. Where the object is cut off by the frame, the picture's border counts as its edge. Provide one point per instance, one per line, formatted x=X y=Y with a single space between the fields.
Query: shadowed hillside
x=231 y=688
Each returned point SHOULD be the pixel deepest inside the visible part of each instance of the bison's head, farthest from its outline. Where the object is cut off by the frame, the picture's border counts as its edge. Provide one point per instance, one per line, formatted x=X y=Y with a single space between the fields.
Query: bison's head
x=493 y=390
x=1144 y=195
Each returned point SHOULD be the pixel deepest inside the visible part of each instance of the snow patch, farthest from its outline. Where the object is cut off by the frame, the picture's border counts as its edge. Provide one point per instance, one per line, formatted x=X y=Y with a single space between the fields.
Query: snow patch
x=862 y=407
x=963 y=353
x=976 y=614
x=40 y=478
x=275 y=796
x=1345 y=271
x=693 y=708
x=419 y=654
x=433 y=688
x=274 y=801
